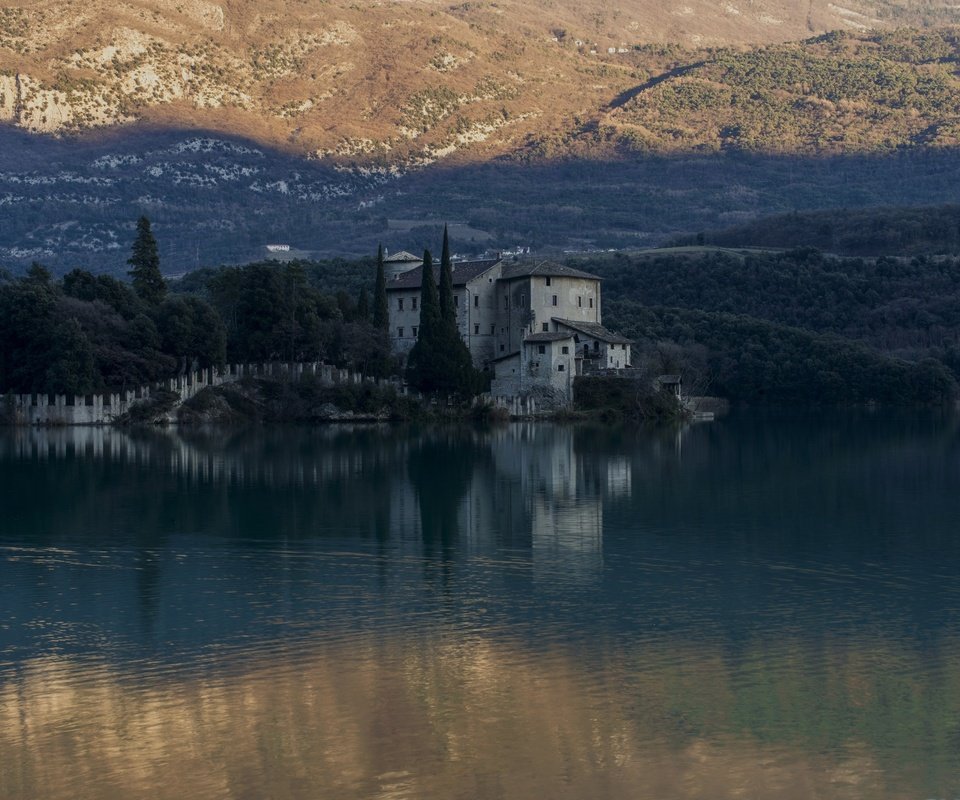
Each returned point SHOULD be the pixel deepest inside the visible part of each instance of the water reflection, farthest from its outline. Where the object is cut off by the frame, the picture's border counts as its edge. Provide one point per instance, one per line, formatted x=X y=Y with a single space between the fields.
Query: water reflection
x=760 y=606
x=450 y=715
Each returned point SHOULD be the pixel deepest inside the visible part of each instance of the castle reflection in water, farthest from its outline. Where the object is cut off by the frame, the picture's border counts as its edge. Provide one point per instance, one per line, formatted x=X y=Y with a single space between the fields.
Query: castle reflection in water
x=535 y=488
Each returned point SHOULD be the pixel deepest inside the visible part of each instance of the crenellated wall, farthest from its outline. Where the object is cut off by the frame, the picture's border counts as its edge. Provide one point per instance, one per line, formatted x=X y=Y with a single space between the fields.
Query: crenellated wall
x=104 y=409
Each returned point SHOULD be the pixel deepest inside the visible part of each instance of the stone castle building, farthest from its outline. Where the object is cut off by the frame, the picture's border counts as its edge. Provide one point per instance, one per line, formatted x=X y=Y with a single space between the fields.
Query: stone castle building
x=535 y=324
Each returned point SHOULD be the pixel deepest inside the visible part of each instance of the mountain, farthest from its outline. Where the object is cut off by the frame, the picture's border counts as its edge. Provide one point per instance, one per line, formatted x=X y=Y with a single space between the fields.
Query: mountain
x=399 y=80
x=567 y=125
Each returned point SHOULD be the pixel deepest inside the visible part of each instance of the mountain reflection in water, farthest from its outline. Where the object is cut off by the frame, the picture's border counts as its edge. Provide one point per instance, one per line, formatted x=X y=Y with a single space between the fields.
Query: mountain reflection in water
x=759 y=607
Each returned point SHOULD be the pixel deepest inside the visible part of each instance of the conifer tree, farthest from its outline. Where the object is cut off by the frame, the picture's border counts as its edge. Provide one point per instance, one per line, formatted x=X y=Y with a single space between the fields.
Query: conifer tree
x=440 y=362
x=447 y=310
x=38 y=273
x=423 y=365
x=381 y=314
x=458 y=374
x=429 y=303
x=144 y=264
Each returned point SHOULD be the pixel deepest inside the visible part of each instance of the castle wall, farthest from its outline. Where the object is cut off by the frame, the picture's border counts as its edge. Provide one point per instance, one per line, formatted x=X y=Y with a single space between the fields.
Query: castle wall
x=104 y=409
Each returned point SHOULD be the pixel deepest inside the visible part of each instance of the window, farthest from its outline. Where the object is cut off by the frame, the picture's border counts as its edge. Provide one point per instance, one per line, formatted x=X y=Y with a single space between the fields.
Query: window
x=523 y=301
x=456 y=301
x=591 y=302
x=399 y=304
x=554 y=299
x=565 y=350
x=493 y=329
x=579 y=302
x=506 y=302
x=546 y=327
x=413 y=303
x=502 y=348
x=503 y=331
x=548 y=280
x=400 y=332
x=596 y=347
x=476 y=301
x=560 y=368
x=414 y=331
x=476 y=330
x=541 y=349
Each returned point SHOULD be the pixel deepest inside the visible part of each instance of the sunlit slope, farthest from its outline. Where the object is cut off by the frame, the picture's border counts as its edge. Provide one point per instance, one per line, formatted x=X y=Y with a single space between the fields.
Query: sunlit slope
x=395 y=81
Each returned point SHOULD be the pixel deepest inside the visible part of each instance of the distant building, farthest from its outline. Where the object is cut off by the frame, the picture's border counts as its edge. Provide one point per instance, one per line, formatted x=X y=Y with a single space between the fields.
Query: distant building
x=535 y=324
x=278 y=248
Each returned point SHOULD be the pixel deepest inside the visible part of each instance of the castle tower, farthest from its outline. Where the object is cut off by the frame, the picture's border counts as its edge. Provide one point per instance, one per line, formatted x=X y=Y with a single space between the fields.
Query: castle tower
x=398 y=263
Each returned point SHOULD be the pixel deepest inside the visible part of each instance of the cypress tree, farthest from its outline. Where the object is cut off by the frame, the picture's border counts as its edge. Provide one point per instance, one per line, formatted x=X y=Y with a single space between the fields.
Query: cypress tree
x=457 y=372
x=423 y=365
x=144 y=264
x=429 y=303
x=440 y=361
x=381 y=314
x=447 y=311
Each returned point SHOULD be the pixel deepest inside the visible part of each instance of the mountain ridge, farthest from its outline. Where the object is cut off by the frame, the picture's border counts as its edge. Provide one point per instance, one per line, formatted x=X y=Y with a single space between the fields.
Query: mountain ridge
x=389 y=81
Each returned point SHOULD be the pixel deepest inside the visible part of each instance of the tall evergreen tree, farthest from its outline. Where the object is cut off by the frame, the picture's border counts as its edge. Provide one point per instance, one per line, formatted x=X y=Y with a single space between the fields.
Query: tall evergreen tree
x=447 y=310
x=38 y=273
x=381 y=314
x=429 y=303
x=423 y=367
x=440 y=361
x=459 y=376
x=144 y=264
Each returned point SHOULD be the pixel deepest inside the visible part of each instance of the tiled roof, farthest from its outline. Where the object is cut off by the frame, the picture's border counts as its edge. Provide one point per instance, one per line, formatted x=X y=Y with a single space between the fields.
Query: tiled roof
x=524 y=269
x=593 y=330
x=403 y=256
x=536 y=338
x=462 y=271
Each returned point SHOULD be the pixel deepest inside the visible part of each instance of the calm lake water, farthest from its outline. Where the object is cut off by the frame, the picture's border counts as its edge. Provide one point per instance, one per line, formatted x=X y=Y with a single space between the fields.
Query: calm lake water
x=759 y=607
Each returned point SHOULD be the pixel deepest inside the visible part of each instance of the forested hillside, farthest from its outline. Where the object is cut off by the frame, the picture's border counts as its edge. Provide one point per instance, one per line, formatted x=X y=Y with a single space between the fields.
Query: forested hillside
x=837 y=93
x=901 y=306
x=923 y=230
x=793 y=325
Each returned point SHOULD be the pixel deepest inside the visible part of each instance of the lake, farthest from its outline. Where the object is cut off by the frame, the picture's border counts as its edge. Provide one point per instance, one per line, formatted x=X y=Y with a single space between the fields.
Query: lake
x=766 y=606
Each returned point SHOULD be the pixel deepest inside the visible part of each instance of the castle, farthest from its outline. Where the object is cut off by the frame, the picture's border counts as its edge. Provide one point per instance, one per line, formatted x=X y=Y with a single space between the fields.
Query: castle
x=535 y=324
